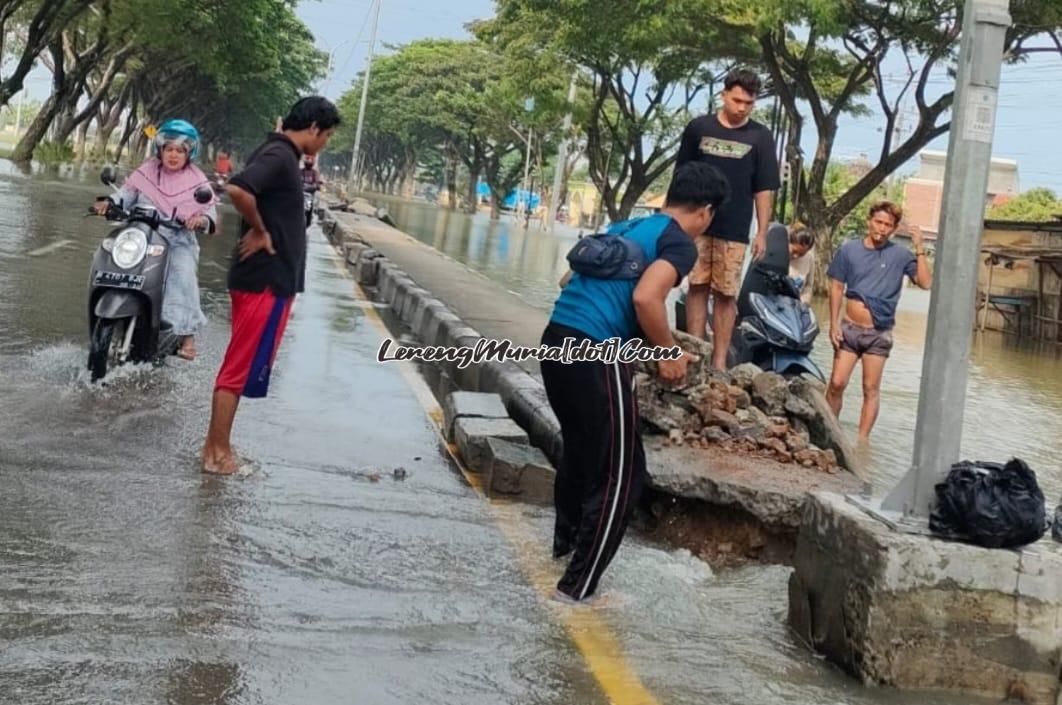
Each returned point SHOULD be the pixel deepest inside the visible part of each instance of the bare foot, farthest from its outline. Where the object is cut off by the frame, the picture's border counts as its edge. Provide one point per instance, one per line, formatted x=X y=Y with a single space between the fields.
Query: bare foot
x=187 y=350
x=215 y=463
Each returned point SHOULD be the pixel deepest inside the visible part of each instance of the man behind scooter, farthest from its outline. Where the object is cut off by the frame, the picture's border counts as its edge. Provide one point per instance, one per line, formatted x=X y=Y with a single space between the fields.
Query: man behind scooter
x=869 y=274
x=268 y=266
x=601 y=473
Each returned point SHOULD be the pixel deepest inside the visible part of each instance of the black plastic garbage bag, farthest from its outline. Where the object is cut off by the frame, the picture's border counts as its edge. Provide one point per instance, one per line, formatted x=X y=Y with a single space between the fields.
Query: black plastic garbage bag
x=992 y=505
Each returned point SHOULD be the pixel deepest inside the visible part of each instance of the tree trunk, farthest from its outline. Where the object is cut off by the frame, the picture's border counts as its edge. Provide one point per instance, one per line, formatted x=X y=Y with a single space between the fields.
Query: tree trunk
x=82 y=137
x=104 y=130
x=23 y=153
x=451 y=183
x=472 y=202
x=409 y=181
x=409 y=174
x=131 y=124
x=495 y=206
x=139 y=148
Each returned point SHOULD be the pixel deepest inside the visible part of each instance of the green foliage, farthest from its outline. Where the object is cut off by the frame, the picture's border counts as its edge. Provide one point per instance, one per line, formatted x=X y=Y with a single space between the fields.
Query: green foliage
x=828 y=58
x=229 y=67
x=436 y=102
x=1038 y=205
x=249 y=62
x=645 y=64
x=52 y=153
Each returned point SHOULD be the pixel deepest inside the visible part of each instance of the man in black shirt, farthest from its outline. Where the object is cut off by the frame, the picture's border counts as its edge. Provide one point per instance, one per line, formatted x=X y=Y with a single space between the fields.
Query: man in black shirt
x=743 y=150
x=268 y=266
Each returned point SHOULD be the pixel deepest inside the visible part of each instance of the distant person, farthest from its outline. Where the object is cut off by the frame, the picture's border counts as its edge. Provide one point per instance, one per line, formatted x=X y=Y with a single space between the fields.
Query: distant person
x=223 y=165
x=268 y=266
x=868 y=274
x=311 y=178
x=802 y=259
x=603 y=468
x=743 y=150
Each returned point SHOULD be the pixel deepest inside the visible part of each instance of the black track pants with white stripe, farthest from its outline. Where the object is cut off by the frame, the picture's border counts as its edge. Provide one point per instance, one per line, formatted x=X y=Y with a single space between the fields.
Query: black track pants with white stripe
x=603 y=469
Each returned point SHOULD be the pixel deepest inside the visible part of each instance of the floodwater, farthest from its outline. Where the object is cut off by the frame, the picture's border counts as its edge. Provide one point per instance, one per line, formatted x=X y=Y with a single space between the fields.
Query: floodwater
x=1014 y=401
x=128 y=577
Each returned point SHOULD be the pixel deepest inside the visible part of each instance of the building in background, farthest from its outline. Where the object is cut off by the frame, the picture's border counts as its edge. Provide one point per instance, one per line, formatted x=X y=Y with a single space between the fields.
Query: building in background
x=924 y=192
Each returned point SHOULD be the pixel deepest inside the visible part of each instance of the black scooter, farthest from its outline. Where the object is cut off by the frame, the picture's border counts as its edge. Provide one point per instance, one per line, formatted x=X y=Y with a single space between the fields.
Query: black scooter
x=127 y=284
x=774 y=328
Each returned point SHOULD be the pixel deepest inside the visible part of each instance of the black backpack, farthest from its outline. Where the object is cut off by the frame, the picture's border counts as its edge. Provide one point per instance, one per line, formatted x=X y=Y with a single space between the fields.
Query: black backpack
x=608 y=256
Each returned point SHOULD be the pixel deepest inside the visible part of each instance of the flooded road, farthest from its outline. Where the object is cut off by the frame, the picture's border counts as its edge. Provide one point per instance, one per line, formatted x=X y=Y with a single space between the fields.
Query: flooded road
x=128 y=577
x=1014 y=403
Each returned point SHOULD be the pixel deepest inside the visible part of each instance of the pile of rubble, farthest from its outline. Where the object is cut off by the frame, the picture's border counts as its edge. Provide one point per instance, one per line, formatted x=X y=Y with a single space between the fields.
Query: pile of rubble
x=745 y=410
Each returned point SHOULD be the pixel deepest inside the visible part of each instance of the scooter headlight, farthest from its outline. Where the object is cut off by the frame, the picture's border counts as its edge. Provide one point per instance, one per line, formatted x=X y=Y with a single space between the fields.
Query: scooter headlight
x=129 y=248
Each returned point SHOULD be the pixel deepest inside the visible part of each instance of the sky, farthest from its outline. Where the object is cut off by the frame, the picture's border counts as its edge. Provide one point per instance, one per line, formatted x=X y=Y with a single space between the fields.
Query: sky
x=1028 y=124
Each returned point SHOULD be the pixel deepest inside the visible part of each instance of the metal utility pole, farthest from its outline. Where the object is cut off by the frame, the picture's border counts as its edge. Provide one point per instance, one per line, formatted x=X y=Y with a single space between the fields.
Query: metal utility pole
x=521 y=204
x=942 y=396
x=364 y=98
x=529 y=107
x=562 y=158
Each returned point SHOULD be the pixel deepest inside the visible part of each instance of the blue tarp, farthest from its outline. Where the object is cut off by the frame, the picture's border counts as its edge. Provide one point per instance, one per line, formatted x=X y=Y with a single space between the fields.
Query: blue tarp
x=512 y=199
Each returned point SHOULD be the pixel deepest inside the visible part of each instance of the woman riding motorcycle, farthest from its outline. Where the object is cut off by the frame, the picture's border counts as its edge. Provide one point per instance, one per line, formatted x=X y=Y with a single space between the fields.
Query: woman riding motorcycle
x=167 y=182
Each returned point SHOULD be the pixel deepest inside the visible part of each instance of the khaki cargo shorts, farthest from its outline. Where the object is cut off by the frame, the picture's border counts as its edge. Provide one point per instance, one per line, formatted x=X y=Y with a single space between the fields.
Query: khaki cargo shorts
x=718 y=265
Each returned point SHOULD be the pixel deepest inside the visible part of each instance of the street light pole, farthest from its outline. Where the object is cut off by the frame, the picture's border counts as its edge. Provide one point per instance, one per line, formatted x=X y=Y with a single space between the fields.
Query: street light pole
x=529 y=107
x=942 y=396
x=521 y=206
x=562 y=158
x=364 y=98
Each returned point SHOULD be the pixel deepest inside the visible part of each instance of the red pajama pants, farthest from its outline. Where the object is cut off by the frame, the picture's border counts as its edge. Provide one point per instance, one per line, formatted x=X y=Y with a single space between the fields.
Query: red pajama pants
x=258 y=322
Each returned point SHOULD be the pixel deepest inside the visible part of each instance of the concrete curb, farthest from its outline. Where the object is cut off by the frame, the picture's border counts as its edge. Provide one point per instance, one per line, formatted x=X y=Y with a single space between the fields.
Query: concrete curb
x=434 y=323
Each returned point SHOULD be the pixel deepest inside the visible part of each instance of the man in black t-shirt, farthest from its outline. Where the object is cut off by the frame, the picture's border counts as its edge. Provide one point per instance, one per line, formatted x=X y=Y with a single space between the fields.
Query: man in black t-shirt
x=268 y=266
x=744 y=151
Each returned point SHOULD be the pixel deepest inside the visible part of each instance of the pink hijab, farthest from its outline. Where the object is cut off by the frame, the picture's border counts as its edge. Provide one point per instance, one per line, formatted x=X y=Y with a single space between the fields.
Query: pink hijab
x=170 y=190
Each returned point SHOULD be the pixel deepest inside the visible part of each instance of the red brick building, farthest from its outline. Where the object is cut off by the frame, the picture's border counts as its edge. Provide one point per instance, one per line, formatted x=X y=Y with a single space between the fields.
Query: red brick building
x=923 y=193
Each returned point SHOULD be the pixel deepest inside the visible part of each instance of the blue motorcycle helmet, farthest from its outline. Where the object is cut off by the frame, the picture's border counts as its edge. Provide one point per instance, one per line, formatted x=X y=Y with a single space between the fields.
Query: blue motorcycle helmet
x=181 y=132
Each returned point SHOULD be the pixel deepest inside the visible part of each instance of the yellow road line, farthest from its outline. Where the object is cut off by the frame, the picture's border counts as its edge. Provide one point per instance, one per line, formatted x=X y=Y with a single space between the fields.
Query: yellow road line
x=600 y=649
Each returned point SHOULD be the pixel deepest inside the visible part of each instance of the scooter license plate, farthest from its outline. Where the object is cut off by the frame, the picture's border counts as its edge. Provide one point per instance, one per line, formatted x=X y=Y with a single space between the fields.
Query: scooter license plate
x=119 y=280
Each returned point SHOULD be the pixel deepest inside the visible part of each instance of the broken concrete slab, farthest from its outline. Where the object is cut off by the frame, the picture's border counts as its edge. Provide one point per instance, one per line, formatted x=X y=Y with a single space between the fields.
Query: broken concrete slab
x=824 y=428
x=477 y=405
x=472 y=434
x=920 y=613
x=520 y=471
x=772 y=492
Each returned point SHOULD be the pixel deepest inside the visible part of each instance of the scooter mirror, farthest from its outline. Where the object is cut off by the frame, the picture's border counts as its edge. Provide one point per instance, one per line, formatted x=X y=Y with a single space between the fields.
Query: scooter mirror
x=204 y=194
x=108 y=176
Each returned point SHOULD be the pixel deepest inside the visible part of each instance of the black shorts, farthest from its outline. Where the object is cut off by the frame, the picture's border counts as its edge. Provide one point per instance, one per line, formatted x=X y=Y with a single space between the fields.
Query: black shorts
x=865 y=341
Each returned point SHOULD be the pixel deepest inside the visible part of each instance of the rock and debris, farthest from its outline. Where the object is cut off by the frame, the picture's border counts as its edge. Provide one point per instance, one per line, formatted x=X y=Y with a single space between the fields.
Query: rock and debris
x=745 y=410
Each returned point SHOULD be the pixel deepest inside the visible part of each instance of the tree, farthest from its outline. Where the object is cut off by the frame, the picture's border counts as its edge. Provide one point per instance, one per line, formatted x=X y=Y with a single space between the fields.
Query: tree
x=646 y=62
x=460 y=100
x=35 y=24
x=73 y=54
x=248 y=61
x=824 y=55
x=1038 y=205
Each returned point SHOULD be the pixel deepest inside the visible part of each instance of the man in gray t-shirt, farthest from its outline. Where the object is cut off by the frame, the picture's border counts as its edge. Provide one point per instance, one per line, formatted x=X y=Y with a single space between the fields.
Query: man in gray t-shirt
x=868 y=274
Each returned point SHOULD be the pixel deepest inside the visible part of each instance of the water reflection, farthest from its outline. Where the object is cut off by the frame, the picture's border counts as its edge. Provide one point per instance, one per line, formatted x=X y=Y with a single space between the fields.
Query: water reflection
x=1014 y=401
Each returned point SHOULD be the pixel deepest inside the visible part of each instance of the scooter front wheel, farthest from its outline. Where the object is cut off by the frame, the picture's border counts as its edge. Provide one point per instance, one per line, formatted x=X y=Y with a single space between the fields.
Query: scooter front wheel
x=104 y=346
